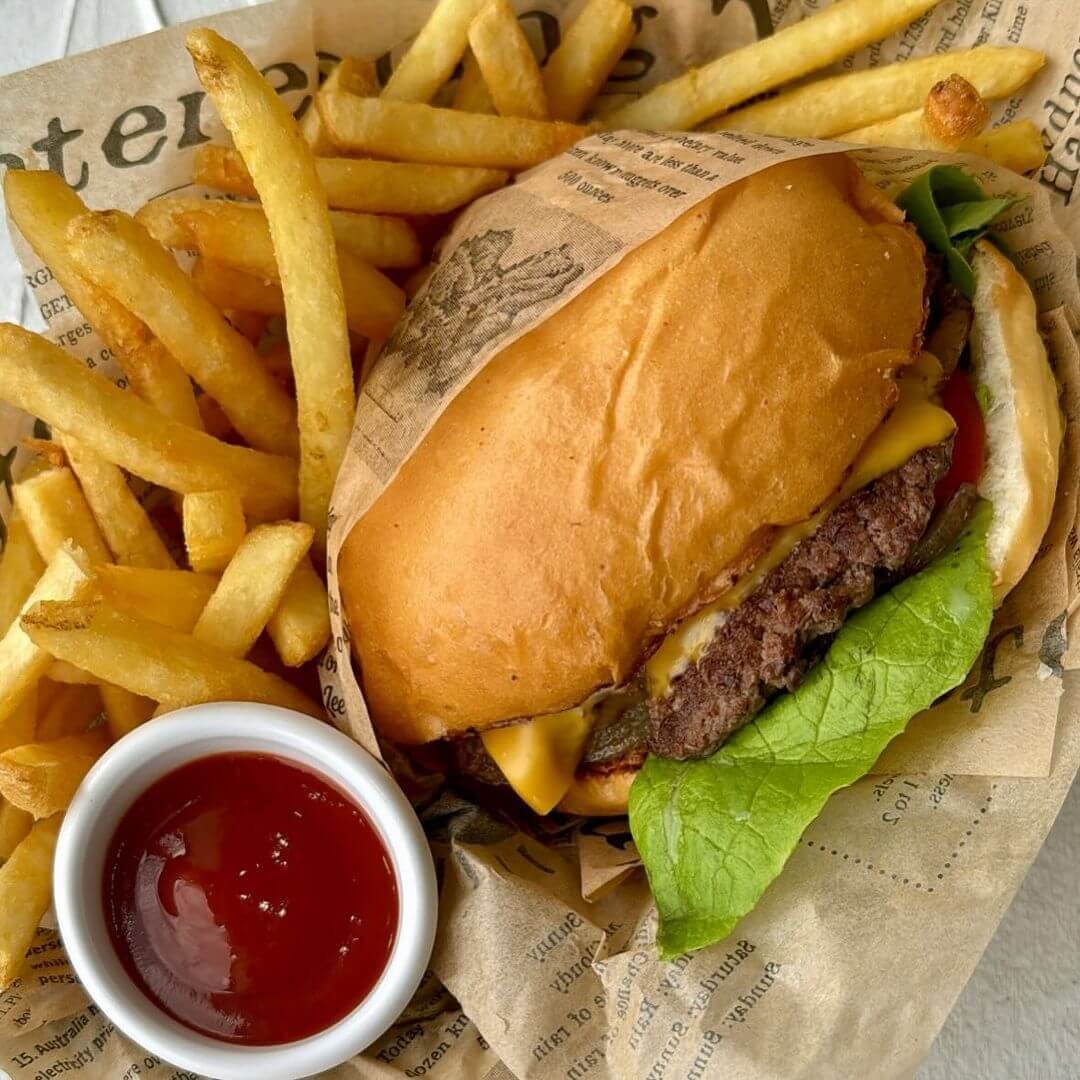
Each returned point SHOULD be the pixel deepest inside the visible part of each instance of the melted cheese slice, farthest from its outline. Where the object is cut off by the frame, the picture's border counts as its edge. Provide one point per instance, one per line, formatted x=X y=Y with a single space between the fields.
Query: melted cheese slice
x=539 y=757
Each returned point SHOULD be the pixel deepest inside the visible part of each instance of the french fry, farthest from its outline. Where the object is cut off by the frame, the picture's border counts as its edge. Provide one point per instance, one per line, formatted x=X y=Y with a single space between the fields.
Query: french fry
x=54 y=509
x=25 y=895
x=124 y=711
x=173 y=598
x=434 y=53
x=14 y=825
x=377 y=187
x=300 y=627
x=249 y=323
x=1017 y=145
x=41 y=778
x=119 y=253
x=589 y=50
x=43 y=380
x=506 y=62
x=378 y=240
x=60 y=671
x=373 y=303
x=239 y=234
x=845 y=102
x=252 y=586
x=423 y=133
x=349 y=73
x=21 y=725
x=22 y=663
x=20 y=568
x=812 y=43
x=57 y=514
x=153 y=660
x=43 y=206
x=283 y=170
x=127 y=529
x=69 y=711
x=214 y=527
x=226 y=287
x=954 y=111
x=471 y=93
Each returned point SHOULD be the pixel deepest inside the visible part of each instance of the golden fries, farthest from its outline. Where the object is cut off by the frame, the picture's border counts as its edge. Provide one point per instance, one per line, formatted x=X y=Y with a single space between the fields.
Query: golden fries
x=60 y=671
x=115 y=250
x=14 y=825
x=238 y=234
x=128 y=531
x=21 y=725
x=20 y=568
x=423 y=133
x=25 y=895
x=124 y=711
x=471 y=93
x=1017 y=145
x=226 y=288
x=845 y=102
x=954 y=111
x=380 y=241
x=350 y=73
x=434 y=53
x=300 y=627
x=214 y=526
x=377 y=187
x=153 y=660
x=54 y=509
x=589 y=50
x=283 y=170
x=69 y=710
x=43 y=206
x=42 y=777
x=43 y=380
x=812 y=43
x=373 y=303
x=506 y=62
x=252 y=586
x=22 y=663
x=173 y=598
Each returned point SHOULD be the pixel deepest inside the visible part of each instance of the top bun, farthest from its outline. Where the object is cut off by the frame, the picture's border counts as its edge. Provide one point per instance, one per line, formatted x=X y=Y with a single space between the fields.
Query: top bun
x=614 y=469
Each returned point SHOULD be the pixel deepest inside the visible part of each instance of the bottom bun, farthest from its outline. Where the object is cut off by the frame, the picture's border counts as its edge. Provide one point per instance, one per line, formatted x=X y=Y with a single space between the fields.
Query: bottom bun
x=1023 y=421
x=600 y=794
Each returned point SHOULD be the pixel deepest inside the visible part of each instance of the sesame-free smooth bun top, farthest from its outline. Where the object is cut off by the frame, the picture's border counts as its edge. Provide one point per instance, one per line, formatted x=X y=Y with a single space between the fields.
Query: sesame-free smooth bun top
x=612 y=470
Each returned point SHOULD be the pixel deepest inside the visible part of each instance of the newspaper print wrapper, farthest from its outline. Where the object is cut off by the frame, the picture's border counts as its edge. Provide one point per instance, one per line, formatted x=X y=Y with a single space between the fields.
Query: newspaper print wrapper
x=545 y=964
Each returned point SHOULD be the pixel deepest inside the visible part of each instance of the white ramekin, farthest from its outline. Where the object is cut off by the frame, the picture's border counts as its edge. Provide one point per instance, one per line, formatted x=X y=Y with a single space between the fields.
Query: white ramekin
x=160 y=746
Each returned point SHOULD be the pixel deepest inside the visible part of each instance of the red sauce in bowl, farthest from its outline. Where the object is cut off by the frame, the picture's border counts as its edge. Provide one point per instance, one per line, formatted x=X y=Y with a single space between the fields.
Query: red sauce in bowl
x=250 y=899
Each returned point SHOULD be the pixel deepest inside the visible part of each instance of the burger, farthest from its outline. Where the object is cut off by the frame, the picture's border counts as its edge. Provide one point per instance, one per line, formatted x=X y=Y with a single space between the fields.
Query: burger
x=646 y=524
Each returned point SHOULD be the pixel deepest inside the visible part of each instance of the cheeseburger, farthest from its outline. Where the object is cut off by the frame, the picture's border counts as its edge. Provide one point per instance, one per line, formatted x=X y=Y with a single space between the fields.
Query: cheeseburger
x=646 y=520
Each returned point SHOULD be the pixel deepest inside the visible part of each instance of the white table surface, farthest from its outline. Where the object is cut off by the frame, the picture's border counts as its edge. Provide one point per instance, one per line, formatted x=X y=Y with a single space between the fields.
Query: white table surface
x=1019 y=1016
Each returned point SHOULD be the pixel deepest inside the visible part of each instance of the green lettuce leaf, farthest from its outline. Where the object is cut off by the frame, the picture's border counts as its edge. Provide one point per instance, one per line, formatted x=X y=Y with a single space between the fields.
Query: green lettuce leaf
x=951 y=212
x=713 y=833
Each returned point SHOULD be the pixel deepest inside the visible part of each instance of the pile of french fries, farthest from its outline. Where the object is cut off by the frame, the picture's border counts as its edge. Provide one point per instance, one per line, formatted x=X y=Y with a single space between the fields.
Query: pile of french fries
x=244 y=371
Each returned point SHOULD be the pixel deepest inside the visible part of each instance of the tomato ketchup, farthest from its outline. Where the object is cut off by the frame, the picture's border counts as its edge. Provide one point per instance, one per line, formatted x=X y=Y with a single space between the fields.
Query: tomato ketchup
x=250 y=899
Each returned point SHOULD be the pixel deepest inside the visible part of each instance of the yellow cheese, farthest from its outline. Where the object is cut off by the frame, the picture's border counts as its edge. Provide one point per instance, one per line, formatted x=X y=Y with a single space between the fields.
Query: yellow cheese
x=538 y=758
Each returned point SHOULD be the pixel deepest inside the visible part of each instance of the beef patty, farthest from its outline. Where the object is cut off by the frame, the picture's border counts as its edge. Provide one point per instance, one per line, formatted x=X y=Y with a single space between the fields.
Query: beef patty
x=770 y=641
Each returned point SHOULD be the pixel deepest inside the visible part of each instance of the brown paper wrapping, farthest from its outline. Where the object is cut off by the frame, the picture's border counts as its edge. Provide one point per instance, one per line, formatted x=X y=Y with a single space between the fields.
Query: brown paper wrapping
x=544 y=965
